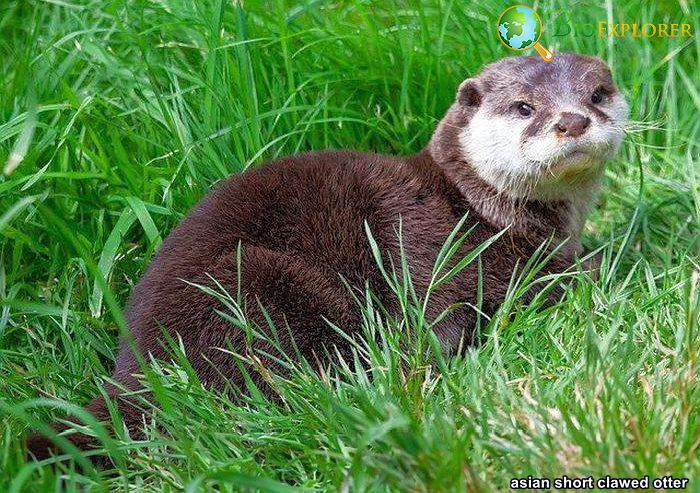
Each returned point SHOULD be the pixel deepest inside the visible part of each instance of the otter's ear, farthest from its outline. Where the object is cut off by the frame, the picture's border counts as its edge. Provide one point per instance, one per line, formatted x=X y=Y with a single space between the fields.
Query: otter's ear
x=468 y=93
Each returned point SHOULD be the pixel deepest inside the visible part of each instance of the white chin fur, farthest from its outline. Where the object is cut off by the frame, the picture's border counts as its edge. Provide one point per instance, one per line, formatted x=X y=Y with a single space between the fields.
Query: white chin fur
x=544 y=167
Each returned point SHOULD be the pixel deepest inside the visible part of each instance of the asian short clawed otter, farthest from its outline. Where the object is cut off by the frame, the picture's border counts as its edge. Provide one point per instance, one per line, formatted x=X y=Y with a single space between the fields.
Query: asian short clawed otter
x=523 y=147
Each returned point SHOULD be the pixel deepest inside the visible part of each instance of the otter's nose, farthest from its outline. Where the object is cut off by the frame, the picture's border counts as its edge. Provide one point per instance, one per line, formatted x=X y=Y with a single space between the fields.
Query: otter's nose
x=572 y=124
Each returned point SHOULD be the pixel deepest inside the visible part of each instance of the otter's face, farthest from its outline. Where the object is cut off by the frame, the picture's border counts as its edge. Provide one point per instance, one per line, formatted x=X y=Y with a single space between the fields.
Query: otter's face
x=541 y=130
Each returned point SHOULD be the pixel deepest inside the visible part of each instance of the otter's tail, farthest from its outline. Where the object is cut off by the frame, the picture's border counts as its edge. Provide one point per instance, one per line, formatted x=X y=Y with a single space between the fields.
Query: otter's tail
x=40 y=446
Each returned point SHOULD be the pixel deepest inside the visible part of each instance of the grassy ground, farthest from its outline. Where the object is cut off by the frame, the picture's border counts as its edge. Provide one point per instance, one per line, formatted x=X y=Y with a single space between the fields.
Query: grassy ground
x=116 y=116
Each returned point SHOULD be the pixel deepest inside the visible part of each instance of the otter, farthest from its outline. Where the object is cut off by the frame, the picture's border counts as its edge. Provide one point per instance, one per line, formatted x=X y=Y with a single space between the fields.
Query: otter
x=522 y=149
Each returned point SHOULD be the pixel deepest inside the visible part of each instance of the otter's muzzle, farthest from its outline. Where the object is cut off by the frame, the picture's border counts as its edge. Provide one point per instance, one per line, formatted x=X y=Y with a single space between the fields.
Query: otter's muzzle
x=572 y=124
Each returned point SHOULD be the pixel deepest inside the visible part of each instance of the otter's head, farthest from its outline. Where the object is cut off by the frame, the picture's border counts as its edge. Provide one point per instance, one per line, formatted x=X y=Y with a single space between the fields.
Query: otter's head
x=533 y=129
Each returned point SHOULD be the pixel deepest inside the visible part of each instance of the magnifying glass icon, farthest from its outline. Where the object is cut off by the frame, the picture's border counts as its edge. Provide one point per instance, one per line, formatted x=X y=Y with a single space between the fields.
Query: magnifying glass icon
x=520 y=28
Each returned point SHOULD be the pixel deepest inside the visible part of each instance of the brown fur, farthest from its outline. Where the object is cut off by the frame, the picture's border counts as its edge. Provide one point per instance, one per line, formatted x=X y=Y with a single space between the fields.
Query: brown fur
x=300 y=221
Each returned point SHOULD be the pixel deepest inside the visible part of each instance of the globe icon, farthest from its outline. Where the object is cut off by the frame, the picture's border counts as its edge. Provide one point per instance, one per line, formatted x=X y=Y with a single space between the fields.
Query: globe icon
x=519 y=27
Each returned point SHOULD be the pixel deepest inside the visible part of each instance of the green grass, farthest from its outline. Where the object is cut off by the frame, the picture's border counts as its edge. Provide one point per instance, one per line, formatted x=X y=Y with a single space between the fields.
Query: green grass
x=118 y=115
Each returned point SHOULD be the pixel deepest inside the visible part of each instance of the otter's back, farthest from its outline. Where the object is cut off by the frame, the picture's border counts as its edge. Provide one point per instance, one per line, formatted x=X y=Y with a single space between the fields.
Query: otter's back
x=311 y=207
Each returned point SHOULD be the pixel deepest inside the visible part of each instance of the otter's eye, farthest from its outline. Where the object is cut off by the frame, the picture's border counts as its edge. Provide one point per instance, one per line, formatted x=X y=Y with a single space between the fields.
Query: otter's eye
x=597 y=96
x=525 y=109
